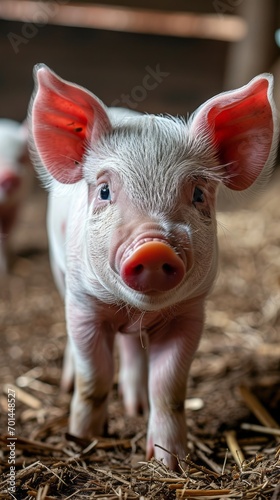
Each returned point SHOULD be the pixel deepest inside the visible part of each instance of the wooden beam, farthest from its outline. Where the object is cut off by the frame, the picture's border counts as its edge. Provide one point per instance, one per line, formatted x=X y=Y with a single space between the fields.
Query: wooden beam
x=134 y=20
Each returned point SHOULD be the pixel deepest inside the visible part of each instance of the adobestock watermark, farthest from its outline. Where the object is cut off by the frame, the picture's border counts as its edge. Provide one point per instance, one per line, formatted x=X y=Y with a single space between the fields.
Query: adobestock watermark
x=44 y=12
x=226 y=6
x=11 y=440
x=151 y=80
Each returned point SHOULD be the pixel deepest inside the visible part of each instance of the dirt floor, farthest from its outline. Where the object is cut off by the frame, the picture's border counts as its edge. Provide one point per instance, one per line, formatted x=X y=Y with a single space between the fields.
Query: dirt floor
x=234 y=381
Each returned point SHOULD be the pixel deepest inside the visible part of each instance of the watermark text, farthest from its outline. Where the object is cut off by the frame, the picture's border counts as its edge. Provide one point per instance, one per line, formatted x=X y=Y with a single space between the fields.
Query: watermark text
x=11 y=439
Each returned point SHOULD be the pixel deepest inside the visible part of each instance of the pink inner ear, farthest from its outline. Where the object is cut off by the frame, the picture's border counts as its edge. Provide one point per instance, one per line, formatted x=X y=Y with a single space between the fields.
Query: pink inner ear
x=243 y=132
x=65 y=117
x=65 y=131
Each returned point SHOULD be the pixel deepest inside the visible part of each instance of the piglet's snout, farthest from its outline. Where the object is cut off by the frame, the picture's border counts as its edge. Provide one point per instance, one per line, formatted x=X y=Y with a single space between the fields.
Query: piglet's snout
x=153 y=266
x=9 y=183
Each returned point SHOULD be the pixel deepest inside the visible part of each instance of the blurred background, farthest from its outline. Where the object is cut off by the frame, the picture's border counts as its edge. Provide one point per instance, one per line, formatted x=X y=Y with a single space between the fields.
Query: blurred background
x=150 y=55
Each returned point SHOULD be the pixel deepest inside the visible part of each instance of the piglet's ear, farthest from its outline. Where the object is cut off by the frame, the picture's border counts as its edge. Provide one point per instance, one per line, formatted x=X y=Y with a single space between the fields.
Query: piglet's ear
x=65 y=118
x=242 y=125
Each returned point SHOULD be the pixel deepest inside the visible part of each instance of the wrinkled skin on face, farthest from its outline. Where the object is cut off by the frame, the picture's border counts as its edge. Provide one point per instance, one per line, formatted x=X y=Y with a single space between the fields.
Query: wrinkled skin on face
x=132 y=230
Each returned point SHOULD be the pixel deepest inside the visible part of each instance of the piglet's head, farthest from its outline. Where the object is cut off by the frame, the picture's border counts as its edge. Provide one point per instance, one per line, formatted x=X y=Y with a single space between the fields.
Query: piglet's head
x=158 y=184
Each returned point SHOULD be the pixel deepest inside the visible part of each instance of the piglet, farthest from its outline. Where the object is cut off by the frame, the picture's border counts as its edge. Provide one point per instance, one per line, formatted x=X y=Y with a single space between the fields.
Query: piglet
x=133 y=239
x=13 y=179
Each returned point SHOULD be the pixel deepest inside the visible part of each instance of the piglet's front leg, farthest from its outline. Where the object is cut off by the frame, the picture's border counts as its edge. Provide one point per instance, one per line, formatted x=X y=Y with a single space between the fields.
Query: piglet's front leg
x=133 y=376
x=91 y=341
x=171 y=354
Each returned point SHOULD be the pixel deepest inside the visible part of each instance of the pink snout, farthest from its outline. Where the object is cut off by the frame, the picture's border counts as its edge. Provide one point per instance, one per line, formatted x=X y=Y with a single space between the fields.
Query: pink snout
x=9 y=183
x=153 y=266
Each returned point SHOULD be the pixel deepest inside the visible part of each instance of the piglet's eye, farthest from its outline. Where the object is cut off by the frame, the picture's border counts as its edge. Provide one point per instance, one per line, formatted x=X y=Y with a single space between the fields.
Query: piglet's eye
x=198 y=196
x=105 y=192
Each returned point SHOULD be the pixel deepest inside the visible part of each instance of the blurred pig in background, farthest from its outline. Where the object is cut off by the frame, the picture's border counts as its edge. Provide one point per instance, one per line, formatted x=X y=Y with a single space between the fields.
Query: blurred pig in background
x=14 y=180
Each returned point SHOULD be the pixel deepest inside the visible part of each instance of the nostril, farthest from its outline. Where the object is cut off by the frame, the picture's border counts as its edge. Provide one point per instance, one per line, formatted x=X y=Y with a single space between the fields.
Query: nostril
x=168 y=269
x=138 y=269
